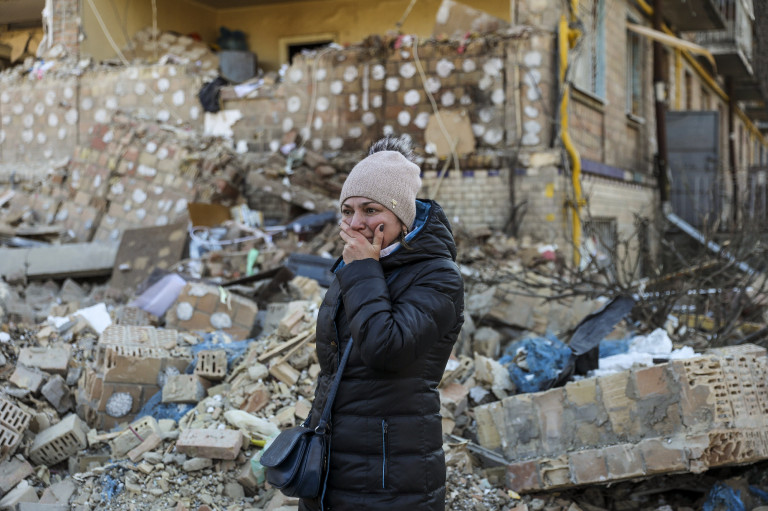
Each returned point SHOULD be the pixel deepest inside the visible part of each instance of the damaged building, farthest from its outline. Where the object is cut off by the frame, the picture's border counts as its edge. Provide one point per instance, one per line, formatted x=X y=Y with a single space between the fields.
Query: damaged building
x=169 y=174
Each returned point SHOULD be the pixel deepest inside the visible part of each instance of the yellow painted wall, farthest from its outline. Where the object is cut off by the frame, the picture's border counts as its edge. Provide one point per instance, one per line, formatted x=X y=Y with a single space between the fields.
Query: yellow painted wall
x=126 y=17
x=350 y=21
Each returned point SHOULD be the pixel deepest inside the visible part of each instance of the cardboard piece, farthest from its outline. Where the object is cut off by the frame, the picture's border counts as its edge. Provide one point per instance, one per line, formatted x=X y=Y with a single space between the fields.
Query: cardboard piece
x=208 y=215
x=458 y=125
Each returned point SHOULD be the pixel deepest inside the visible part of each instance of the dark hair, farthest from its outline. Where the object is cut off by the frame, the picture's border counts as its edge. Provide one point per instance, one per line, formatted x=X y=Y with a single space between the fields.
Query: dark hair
x=400 y=144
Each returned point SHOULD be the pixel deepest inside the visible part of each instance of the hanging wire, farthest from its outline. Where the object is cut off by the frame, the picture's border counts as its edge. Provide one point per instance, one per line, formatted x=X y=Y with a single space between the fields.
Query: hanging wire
x=107 y=34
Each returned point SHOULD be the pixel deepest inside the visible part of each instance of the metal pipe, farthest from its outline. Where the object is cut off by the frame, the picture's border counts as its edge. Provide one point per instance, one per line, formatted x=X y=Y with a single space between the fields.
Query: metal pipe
x=566 y=40
x=660 y=93
x=711 y=245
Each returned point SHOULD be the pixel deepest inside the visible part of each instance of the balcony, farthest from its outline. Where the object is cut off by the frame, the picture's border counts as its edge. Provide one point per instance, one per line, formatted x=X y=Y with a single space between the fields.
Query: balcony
x=757 y=111
x=693 y=15
x=733 y=46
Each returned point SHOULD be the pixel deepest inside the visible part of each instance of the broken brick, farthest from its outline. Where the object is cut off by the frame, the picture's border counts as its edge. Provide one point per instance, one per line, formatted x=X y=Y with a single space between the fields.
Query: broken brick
x=222 y=444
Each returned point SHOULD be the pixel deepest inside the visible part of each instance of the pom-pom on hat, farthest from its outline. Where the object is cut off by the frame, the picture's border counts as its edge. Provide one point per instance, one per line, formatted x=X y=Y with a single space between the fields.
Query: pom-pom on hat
x=390 y=179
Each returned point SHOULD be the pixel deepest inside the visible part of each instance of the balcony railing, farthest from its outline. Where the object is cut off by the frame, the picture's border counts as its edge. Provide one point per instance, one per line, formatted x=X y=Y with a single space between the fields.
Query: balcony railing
x=693 y=15
x=733 y=46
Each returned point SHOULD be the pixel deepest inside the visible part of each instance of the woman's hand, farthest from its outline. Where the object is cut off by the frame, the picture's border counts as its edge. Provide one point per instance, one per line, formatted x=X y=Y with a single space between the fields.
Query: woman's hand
x=357 y=246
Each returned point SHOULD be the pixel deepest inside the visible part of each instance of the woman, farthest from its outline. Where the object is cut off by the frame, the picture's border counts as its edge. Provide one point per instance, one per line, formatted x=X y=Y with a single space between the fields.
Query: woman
x=398 y=294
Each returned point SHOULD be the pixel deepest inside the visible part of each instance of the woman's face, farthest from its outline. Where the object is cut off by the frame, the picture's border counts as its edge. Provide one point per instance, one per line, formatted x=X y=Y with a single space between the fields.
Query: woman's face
x=363 y=216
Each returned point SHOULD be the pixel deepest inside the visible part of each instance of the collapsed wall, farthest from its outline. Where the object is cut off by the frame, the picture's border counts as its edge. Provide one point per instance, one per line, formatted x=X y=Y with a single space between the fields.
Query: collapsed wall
x=493 y=94
x=684 y=415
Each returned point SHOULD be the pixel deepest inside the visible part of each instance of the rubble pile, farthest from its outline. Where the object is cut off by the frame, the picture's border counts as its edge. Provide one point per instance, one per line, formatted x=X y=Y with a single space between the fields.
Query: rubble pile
x=155 y=380
x=148 y=46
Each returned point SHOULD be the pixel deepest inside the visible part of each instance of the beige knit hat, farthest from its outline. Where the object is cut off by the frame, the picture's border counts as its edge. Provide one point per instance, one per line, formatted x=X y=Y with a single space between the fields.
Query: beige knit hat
x=390 y=179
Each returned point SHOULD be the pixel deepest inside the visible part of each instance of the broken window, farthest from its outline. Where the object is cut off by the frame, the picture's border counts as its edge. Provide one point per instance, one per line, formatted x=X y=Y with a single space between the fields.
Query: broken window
x=291 y=46
x=589 y=62
x=601 y=240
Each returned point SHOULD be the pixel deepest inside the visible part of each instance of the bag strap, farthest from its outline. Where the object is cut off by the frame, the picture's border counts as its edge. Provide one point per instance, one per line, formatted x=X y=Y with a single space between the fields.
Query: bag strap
x=323 y=424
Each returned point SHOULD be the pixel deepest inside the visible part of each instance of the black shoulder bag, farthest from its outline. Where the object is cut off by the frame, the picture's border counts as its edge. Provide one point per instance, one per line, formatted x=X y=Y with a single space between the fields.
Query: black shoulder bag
x=296 y=460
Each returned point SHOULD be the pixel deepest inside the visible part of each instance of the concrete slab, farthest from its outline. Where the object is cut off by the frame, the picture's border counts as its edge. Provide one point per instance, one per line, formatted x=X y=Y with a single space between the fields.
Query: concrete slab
x=71 y=260
x=142 y=250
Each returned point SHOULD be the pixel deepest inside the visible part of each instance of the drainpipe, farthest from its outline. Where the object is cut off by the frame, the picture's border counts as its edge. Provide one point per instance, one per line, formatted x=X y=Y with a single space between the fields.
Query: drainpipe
x=732 y=153
x=567 y=40
x=660 y=93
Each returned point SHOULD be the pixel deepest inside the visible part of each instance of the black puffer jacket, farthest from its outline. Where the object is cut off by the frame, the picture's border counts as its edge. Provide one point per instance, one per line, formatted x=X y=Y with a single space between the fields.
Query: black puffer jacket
x=404 y=313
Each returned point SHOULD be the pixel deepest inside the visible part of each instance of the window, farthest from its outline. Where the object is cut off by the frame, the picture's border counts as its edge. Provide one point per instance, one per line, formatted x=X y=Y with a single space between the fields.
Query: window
x=634 y=74
x=601 y=241
x=704 y=99
x=290 y=46
x=688 y=90
x=589 y=62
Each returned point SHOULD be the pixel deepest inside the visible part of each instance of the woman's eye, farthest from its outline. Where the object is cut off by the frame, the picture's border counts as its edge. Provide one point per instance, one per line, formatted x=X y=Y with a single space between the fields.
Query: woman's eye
x=372 y=211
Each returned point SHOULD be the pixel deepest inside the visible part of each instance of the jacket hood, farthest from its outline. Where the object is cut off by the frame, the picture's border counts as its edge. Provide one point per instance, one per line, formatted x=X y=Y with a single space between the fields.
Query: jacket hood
x=431 y=237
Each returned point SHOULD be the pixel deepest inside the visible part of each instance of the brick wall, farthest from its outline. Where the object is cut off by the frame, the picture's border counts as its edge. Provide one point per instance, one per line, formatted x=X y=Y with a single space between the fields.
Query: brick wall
x=39 y=123
x=340 y=101
x=66 y=25
x=686 y=415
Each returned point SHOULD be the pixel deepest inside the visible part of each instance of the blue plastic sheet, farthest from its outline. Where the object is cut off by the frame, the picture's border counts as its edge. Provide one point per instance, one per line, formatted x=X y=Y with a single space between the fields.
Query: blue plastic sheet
x=759 y=492
x=609 y=348
x=219 y=341
x=723 y=498
x=545 y=359
x=110 y=488
x=211 y=341
x=159 y=410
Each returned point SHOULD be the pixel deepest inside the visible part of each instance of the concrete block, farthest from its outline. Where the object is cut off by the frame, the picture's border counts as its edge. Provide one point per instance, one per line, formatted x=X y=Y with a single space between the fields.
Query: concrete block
x=223 y=444
x=454 y=397
x=12 y=472
x=195 y=464
x=56 y=391
x=39 y=506
x=78 y=464
x=13 y=262
x=58 y=493
x=549 y=408
x=60 y=441
x=71 y=260
x=618 y=405
x=248 y=480
x=26 y=378
x=54 y=360
x=23 y=492
x=184 y=388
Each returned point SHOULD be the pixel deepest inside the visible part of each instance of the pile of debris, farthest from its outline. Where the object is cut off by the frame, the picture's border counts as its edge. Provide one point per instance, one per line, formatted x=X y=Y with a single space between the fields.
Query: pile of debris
x=149 y=369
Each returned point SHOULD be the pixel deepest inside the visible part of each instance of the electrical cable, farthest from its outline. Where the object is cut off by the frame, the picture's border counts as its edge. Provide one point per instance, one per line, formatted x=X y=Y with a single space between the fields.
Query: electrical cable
x=441 y=124
x=107 y=34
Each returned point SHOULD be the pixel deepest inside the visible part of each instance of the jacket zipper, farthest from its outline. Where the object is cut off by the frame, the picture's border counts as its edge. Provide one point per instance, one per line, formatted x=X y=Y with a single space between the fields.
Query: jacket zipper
x=384 y=441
